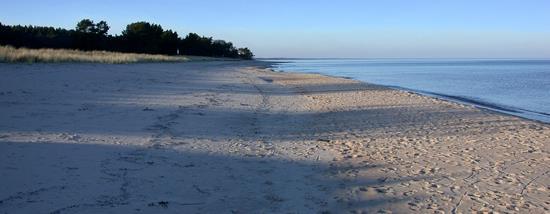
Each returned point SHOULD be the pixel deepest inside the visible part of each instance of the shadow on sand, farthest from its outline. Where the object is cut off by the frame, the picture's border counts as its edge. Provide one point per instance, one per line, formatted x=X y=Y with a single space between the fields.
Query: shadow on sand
x=53 y=177
x=66 y=178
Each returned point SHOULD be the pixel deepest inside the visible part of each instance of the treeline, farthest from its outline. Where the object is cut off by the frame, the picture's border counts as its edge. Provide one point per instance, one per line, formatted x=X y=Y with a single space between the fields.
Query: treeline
x=138 y=37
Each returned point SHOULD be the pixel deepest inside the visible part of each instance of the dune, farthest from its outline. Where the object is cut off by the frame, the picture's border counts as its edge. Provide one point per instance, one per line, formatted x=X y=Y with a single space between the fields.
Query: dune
x=27 y=55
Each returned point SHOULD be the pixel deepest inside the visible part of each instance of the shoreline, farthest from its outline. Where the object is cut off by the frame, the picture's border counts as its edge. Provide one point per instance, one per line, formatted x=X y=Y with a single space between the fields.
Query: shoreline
x=534 y=116
x=208 y=137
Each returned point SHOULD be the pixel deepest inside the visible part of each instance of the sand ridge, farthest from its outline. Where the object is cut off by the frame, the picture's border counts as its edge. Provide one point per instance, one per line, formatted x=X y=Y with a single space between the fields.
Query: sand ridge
x=236 y=137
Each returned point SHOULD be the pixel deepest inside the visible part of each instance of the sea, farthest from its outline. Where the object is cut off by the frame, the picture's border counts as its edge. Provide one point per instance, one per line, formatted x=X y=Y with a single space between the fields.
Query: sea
x=519 y=87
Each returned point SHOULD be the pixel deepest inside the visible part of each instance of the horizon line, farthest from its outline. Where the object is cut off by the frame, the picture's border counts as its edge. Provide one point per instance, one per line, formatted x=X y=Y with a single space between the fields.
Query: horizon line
x=363 y=58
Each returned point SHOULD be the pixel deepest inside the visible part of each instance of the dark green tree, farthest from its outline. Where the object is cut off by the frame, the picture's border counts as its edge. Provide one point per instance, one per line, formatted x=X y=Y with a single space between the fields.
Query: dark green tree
x=90 y=36
x=221 y=48
x=102 y=28
x=86 y=26
x=169 y=42
x=245 y=53
x=138 y=37
x=193 y=44
x=143 y=37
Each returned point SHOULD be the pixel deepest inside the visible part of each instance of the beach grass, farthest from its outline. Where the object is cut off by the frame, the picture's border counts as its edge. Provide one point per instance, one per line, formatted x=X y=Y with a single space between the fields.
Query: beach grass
x=27 y=55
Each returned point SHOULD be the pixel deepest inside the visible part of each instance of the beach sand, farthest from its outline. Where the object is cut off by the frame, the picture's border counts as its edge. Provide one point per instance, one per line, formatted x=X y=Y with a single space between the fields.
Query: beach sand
x=236 y=137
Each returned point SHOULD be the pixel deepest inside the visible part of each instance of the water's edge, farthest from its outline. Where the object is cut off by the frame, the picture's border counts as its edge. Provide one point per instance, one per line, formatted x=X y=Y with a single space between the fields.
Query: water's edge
x=480 y=104
x=497 y=108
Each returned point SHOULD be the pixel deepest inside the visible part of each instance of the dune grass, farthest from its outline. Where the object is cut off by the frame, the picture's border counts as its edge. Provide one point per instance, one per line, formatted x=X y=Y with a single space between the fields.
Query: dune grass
x=11 y=54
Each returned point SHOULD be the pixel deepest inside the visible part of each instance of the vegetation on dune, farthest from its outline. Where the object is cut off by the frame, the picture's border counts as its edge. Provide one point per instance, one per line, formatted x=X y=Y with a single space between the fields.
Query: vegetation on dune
x=138 y=37
x=11 y=54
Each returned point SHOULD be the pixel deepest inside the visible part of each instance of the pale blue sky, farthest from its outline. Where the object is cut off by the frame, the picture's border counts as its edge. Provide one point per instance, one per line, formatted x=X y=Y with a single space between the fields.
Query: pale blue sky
x=343 y=28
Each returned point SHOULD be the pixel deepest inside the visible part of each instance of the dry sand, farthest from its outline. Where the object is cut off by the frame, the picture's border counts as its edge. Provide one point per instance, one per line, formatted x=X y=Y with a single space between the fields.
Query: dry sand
x=232 y=137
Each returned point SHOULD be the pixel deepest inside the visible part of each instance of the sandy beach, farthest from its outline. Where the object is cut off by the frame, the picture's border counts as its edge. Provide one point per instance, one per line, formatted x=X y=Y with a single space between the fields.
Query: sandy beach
x=236 y=137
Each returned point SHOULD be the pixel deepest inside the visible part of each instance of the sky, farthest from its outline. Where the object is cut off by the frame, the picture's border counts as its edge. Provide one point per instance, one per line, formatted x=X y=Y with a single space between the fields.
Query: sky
x=319 y=29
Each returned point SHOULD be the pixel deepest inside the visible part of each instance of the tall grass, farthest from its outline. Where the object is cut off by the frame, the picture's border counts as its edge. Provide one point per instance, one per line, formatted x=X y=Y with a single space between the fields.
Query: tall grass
x=11 y=54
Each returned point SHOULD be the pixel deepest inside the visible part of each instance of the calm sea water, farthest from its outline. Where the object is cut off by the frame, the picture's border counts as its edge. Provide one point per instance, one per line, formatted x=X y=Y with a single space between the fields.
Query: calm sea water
x=518 y=87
